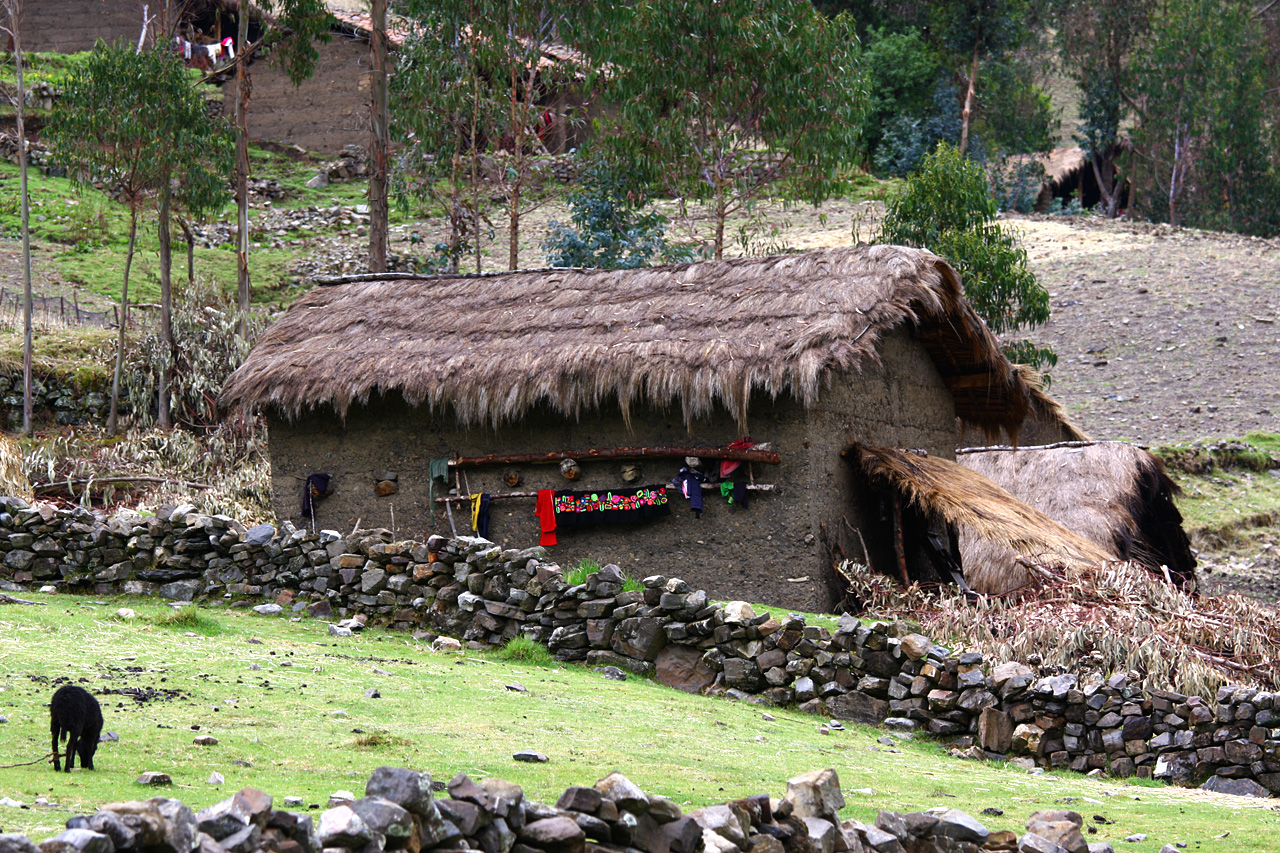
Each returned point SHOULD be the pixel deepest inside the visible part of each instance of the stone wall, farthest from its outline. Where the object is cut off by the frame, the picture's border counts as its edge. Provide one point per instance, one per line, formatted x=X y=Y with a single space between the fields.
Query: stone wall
x=61 y=400
x=483 y=594
x=405 y=809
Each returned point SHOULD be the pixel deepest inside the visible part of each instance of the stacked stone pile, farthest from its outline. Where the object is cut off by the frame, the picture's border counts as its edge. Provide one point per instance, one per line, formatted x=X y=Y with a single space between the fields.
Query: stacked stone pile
x=472 y=589
x=400 y=811
x=353 y=163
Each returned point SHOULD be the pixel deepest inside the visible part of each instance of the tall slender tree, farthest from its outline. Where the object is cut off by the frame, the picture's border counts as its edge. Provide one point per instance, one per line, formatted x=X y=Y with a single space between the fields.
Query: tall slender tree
x=379 y=138
x=720 y=100
x=13 y=11
x=130 y=120
x=290 y=29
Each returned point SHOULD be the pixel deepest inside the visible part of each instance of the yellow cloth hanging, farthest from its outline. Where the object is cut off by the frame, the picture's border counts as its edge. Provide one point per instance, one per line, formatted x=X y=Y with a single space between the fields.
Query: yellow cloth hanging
x=475 y=512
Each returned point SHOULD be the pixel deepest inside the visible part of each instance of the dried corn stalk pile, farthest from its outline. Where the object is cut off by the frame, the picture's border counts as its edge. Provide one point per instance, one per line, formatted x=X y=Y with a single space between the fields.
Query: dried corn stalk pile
x=1111 y=618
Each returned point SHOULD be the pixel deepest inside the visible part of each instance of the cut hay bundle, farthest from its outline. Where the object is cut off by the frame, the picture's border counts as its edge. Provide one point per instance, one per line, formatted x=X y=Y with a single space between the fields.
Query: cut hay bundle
x=1117 y=617
x=1114 y=494
x=13 y=477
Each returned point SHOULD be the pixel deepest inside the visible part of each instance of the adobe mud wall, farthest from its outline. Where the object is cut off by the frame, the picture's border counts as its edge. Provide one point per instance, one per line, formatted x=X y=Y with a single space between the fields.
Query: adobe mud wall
x=327 y=112
x=777 y=549
x=68 y=26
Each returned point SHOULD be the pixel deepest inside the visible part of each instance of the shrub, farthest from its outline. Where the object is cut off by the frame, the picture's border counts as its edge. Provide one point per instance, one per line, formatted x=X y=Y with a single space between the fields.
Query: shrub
x=609 y=229
x=947 y=207
x=521 y=649
x=208 y=349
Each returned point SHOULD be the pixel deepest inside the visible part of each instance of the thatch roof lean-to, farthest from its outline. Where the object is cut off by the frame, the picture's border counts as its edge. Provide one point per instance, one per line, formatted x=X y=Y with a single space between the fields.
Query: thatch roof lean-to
x=1110 y=492
x=695 y=335
x=981 y=509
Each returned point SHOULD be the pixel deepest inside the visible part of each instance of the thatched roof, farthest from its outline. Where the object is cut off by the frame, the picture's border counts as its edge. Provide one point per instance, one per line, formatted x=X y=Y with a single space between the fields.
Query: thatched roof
x=696 y=336
x=982 y=512
x=1113 y=494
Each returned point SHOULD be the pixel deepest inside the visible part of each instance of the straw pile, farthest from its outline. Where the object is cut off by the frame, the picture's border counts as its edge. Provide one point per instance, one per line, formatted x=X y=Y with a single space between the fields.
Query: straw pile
x=13 y=478
x=1116 y=617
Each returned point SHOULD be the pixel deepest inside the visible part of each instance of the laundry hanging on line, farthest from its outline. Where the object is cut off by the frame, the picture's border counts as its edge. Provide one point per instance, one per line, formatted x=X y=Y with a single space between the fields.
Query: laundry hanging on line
x=610 y=506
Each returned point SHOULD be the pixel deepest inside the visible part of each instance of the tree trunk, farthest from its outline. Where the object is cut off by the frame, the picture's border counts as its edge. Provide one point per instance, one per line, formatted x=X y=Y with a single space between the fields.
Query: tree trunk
x=380 y=139
x=721 y=214
x=191 y=250
x=28 y=404
x=242 y=173
x=163 y=418
x=968 y=102
x=113 y=419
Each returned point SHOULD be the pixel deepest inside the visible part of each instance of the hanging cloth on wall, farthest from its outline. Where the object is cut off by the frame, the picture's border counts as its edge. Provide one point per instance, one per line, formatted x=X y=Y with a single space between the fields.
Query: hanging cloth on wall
x=618 y=506
x=689 y=481
x=480 y=514
x=437 y=469
x=546 y=512
x=728 y=466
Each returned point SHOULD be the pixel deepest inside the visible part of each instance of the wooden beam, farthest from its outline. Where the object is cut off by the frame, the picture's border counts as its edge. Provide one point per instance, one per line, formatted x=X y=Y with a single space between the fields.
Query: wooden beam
x=751 y=455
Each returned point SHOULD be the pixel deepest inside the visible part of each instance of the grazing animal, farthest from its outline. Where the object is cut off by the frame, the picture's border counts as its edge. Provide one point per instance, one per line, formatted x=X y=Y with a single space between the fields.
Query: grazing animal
x=75 y=713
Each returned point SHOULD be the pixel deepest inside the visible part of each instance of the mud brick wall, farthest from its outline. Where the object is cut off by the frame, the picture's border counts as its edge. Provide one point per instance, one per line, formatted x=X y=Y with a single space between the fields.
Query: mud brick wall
x=482 y=595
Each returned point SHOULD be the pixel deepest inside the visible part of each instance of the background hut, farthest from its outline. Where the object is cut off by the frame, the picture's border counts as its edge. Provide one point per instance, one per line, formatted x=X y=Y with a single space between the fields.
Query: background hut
x=1112 y=493
x=372 y=382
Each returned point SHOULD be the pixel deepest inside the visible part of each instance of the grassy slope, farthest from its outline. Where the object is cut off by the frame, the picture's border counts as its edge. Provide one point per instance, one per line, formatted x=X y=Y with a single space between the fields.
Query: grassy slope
x=304 y=730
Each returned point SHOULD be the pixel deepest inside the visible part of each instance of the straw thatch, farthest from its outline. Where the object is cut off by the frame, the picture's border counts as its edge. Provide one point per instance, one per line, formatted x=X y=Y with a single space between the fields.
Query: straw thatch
x=13 y=475
x=1047 y=421
x=1095 y=621
x=1113 y=494
x=982 y=511
x=696 y=335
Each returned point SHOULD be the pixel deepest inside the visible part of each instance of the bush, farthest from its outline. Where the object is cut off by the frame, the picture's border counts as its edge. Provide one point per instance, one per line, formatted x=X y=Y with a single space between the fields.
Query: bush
x=947 y=207
x=521 y=649
x=609 y=229
x=908 y=138
x=208 y=350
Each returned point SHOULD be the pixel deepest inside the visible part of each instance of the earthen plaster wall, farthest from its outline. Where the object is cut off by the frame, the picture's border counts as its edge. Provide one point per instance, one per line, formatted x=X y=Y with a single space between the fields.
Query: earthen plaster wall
x=326 y=112
x=68 y=26
x=776 y=550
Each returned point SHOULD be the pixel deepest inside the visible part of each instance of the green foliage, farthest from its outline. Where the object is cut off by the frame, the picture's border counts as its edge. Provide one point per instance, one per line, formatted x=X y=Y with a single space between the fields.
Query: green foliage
x=909 y=137
x=720 y=101
x=1015 y=114
x=578 y=574
x=609 y=228
x=88 y=227
x=1016 y=182
x=187 y=618
x=902 y=75
x=132 y=121
x=208 y=350
x=947 y=207
x=521 y=649
x=1210 y=148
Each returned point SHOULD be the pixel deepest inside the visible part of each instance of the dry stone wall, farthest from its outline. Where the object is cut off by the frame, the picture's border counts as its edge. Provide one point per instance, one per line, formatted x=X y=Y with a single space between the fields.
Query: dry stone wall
x=405 y=809
x=475 y=591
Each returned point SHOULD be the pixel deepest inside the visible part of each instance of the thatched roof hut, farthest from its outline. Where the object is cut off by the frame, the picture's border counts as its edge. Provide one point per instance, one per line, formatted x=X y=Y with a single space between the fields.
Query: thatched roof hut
x=809 y=352
x=1111 y=493
x=930 y=492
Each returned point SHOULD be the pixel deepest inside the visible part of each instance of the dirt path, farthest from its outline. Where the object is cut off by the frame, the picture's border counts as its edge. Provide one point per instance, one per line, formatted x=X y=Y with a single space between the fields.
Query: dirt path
x=1162 y=334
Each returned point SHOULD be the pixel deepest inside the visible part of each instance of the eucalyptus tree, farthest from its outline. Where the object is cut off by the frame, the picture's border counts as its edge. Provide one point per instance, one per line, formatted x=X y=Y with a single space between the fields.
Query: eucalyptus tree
x=290 y=29
x=13 y=15
x=132 y=122
x=470 y=101
x=723 y=101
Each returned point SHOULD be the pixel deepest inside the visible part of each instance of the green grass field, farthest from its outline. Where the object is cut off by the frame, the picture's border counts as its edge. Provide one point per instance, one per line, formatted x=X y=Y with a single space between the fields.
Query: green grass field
x=300 y=724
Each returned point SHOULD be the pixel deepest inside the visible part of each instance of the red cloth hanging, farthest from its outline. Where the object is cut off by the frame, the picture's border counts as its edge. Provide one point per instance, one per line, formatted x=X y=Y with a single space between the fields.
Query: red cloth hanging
x=547 y=516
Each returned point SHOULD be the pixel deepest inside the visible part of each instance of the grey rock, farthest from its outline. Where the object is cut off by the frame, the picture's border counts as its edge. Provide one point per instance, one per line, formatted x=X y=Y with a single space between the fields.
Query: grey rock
x=13 y=842
x=84 y=840
x=268 y=609
x=815 y=794
x=342 y=827
x=529 y=756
